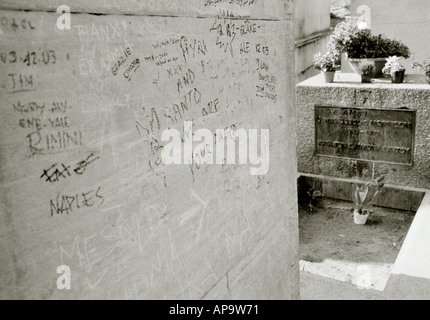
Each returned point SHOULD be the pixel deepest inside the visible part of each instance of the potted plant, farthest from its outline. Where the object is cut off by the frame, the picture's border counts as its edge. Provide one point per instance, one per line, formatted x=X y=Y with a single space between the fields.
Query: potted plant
x=424 y=66
x=313 y=194
x=360 y=43
x=326 y=63
x=395 y=69
x=367 y=69
x=363 y=195
x=342 y=34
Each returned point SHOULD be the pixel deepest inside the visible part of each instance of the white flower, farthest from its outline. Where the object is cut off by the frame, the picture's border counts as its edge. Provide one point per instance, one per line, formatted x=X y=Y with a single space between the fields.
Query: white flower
x=362 y=25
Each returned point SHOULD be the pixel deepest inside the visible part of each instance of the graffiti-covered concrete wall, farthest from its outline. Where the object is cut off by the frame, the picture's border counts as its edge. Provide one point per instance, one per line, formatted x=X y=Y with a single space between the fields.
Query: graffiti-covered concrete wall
x=117 y=177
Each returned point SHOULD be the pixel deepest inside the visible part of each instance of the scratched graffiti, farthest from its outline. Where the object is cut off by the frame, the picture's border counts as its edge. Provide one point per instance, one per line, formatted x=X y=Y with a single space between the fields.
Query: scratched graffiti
x=86 y=113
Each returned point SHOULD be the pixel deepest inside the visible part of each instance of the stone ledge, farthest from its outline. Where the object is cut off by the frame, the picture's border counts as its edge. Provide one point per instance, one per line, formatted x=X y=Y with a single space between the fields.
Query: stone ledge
x=349 y=80
x=363 y=275
x=393 y=197
x=312 y=38
x=277 y=10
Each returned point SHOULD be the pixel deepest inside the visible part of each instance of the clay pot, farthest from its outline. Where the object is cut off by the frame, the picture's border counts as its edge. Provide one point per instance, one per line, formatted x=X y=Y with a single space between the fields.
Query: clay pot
x=328 y=76
x=398 y=76
x=366 y=78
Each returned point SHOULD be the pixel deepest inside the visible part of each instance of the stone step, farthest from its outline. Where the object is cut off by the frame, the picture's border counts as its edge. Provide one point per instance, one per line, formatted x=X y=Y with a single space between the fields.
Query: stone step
x=362 y=275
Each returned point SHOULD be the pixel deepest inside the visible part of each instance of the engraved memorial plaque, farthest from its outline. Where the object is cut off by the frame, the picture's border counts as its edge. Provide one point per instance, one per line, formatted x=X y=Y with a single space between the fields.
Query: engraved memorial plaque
x=377 y=135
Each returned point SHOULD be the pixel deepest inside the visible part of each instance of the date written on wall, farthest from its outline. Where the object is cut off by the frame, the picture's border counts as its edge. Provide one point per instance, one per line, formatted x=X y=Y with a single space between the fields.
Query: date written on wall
x=29 y=58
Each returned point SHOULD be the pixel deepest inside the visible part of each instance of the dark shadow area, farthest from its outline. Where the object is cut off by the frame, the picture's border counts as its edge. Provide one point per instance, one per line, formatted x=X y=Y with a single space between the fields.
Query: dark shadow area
x=341 y=189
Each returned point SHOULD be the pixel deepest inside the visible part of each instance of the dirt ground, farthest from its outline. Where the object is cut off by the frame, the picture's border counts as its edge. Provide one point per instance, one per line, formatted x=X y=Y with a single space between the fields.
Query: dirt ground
x=329 y=232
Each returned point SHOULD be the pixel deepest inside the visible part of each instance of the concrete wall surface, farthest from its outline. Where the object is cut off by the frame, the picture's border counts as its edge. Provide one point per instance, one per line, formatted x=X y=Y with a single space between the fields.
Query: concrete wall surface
x=410 y=277
x=312 y=26
x=310 y=17
x=84 y=181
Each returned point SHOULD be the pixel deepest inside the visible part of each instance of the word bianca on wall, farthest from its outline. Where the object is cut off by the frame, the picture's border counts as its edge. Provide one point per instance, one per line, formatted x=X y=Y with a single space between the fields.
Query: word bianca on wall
x=211 y=148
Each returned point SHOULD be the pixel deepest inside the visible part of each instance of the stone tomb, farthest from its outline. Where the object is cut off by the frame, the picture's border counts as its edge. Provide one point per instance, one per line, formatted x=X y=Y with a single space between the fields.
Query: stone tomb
x=345 y=127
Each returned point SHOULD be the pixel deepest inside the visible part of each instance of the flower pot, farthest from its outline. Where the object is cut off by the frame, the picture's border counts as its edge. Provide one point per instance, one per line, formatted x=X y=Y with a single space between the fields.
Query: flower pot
x=366 y=78
x=328 y=76
x=379 y=65
x=360 y=219
x=398 y=76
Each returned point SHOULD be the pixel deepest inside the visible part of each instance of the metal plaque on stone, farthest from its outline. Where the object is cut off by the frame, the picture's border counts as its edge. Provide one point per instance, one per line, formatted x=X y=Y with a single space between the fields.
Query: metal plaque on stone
x=377 y=135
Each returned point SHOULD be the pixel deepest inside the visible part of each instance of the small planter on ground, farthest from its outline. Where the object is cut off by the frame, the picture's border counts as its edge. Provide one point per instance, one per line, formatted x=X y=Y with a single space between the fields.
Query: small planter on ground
x=363 y=196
